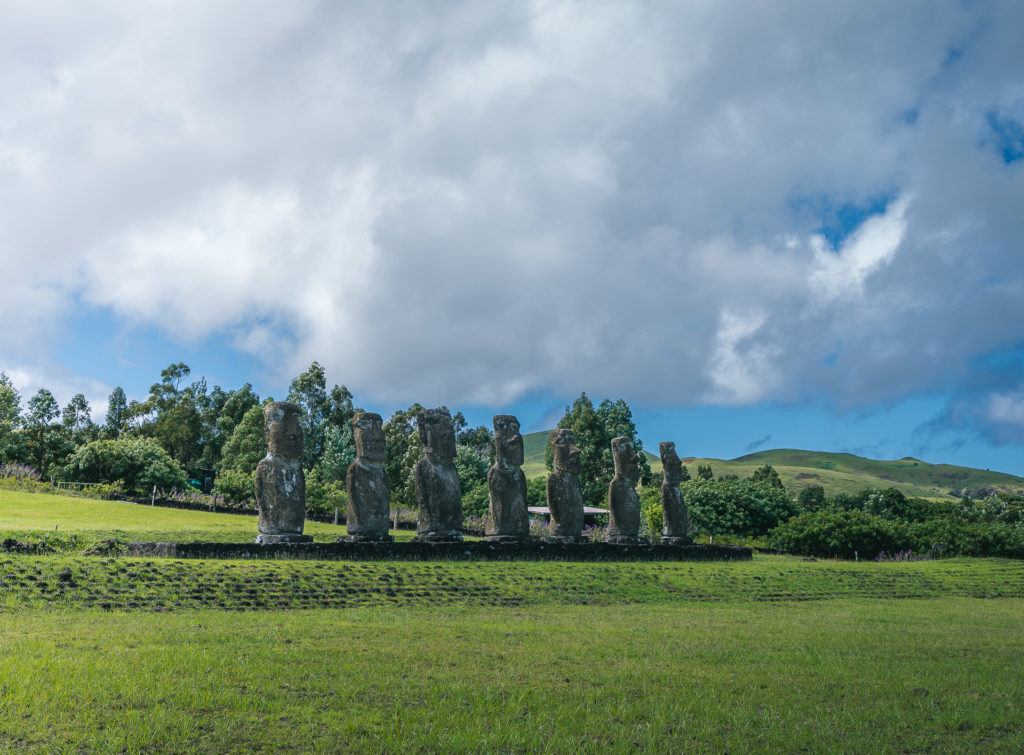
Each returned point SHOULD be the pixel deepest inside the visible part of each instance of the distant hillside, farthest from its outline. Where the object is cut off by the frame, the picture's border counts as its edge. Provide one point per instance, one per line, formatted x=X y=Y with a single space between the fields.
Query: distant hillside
x=849 y=473
x=836 y=472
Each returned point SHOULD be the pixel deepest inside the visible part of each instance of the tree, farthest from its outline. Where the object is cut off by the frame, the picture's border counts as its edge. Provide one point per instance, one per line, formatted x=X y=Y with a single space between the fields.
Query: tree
x=811 y=499
x=220 y=414
x=247 y=444
x=77 y=414
x=172 y=415
x=768 y=476
x=404 y=448
x=339 y=449
x=47 y=443
x=594 y=429
x=321 y=411
x=12 y=445
x=117 y=410
x=704 y=472
x=309 y=391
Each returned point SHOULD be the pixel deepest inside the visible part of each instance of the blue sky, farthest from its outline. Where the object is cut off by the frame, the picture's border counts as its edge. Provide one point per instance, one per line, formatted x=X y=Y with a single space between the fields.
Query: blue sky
x=793 y=224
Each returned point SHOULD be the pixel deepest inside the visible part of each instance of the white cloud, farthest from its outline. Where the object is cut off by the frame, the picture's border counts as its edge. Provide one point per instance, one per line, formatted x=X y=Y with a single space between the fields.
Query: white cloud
x=742 y=368
x=28 y=381
x=469 y=201
x=842 y=274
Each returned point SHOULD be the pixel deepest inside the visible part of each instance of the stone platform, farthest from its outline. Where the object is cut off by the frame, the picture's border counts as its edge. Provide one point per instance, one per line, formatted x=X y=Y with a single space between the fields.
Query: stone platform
x=466 y=551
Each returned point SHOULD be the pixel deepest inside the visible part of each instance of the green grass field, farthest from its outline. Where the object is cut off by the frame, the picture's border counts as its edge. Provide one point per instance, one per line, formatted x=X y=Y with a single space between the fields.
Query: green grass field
x=77 y=523
x=101 y=654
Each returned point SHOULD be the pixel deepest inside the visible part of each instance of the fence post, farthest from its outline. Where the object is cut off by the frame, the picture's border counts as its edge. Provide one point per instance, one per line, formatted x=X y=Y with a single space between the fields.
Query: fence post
x=152 y=501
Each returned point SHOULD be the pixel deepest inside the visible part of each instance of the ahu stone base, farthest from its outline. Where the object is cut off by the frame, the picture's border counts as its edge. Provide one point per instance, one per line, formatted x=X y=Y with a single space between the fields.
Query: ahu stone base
x=284 y=538
x=539 y=550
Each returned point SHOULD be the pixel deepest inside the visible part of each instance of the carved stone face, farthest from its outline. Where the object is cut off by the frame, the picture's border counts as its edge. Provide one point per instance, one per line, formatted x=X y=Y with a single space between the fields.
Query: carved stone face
x=284 y=432
x=508 y=443
x=671 y=464
x=565 y=451
x=627 y=463
x=368 y=429
x=437 y=432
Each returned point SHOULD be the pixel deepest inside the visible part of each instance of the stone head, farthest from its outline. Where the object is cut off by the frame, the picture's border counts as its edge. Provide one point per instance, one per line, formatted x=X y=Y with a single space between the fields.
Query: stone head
x=437 y=433
x=368 y=429
x=284 y=431
x=508 y=443
x=627 y=463
x=671 y=464
x=565 y=451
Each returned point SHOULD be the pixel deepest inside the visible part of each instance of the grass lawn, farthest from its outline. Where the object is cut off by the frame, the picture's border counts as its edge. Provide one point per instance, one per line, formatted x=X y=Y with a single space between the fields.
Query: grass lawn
x=847 y=675
x=112 y=654
x=77 y=522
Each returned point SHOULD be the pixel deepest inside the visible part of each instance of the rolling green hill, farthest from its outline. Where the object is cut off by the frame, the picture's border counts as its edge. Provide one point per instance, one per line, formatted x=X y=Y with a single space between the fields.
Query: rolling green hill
x=836 y=472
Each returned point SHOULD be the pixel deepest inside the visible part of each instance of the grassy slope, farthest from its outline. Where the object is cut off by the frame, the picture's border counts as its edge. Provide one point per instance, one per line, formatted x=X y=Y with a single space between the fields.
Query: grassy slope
x=849 y=473
x=836 y=472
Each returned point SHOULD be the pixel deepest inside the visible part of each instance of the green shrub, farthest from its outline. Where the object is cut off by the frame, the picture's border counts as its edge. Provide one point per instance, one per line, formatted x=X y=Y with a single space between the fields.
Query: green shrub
x=959 y=538
x=323 y=496
x=537 y=491
x=651 y=513
x=476 y=500
x=845 y=534
x=738 y=507
x=140 y=463
x=107 y=491
x=234 y=486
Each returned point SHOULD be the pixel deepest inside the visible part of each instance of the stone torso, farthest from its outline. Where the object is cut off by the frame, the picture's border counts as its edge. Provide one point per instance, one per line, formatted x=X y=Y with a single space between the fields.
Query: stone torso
x=624 y=503
x=675 y=522
x=565 y=502
x=280 y=495
x=368 y=502
x=508 y=514
x=439 y=497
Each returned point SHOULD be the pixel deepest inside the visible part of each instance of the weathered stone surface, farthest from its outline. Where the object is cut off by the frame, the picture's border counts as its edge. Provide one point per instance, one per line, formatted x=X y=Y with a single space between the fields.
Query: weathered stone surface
x=280 y=483
x=675 y=521
x=366 y=516
x=623 y=501
x=437 y=481
x=565 y=497
x=508 y=519
x=538 y=550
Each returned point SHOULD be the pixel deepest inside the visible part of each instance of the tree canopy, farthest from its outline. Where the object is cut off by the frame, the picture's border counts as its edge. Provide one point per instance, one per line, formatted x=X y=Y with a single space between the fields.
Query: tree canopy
x=595 y=427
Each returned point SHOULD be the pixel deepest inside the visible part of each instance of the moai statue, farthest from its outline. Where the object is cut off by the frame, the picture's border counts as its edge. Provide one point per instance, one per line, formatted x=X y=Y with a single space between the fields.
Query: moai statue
x=437 y=481
x=366 y=516
x=509 y=520
x=676 y=523
x=624 y=521
x=280 y=484
x=565 y=498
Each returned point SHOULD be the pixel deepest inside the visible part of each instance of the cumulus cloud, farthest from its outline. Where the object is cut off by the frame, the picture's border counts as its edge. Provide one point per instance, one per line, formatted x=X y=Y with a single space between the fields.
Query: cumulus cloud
x=469 y=202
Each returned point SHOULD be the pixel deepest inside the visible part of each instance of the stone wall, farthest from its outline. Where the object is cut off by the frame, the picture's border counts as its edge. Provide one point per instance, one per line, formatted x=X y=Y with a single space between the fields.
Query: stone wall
x=409 y=551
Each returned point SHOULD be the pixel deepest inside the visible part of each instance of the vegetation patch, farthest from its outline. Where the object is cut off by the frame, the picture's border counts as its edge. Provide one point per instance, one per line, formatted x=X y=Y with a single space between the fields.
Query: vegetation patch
x=128 y=584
